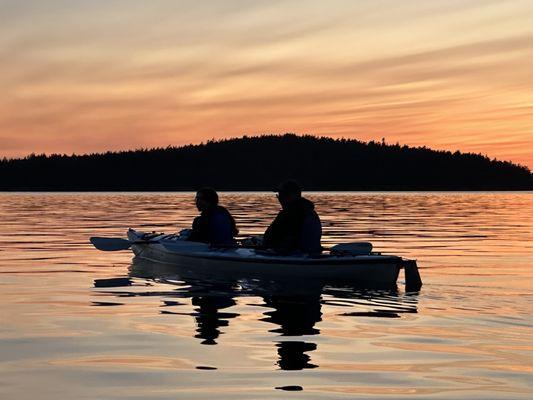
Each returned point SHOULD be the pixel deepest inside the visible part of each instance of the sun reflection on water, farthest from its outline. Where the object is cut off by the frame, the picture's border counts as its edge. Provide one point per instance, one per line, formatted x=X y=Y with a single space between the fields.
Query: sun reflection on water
x=95 y=321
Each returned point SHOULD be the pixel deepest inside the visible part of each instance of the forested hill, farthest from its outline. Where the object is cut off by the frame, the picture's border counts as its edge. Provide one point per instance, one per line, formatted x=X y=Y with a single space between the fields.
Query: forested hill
x=260 y=163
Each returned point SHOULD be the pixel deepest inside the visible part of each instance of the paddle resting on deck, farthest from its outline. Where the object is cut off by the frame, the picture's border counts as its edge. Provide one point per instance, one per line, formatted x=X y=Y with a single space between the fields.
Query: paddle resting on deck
x=115 y=244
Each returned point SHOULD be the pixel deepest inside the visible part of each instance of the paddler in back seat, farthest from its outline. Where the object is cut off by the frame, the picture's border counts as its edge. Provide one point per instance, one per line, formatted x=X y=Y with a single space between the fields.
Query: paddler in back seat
x=215 y=225
x=297 y=227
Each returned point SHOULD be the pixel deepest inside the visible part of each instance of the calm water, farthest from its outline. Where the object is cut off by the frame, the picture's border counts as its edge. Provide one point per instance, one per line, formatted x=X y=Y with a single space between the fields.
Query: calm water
x=76 y=323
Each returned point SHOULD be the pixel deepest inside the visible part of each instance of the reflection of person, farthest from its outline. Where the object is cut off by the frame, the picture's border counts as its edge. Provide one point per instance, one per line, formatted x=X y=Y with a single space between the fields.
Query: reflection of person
x=297 y=227
x=209 y=319
x=215 y=225
x=292 y=355
x=296 y=316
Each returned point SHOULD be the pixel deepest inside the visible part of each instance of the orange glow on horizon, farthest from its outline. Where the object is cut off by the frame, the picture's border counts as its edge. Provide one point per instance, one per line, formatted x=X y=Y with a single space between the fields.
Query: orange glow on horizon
x=449 y=75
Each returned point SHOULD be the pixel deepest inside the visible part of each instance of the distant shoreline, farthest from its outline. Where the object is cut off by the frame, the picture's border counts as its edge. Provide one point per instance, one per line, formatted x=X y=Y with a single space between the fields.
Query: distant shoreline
x=259 y=163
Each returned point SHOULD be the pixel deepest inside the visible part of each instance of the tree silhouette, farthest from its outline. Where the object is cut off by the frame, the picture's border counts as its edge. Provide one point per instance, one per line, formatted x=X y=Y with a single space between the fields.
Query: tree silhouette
x=260 y=163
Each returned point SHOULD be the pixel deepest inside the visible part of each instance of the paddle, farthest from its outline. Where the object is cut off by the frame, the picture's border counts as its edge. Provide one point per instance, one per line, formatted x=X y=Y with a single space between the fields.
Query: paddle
x=351 y=249
x=114 y=244
x=343 y=249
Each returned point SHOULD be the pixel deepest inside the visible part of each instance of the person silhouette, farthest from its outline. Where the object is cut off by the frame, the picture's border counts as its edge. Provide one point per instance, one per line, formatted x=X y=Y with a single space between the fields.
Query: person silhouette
x=297 y=227
x=215 y=225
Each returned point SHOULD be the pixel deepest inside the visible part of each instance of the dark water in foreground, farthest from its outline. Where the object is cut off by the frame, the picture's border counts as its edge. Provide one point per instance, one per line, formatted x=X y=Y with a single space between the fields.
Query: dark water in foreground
x=76 y=323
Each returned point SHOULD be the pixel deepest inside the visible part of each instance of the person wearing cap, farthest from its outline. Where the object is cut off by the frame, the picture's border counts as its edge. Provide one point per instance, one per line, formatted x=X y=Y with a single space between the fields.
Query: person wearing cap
x=297 y=227
x=215 y=225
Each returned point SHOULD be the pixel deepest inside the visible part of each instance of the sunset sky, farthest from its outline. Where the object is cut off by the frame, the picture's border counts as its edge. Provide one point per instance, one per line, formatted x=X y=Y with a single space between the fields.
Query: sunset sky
x=85 y=76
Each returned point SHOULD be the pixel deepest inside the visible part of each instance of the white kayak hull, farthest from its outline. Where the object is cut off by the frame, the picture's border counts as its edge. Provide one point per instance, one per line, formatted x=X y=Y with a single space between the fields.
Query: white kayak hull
x=375 y=269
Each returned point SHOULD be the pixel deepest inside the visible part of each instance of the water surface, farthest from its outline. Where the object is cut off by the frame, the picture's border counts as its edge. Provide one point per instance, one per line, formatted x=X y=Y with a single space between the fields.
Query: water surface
x=78 y=323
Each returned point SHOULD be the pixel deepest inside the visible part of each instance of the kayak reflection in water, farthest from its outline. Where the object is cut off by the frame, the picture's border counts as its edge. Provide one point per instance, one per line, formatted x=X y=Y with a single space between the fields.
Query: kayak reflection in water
x=294 y=309
x=297 y=227
x=215 y=225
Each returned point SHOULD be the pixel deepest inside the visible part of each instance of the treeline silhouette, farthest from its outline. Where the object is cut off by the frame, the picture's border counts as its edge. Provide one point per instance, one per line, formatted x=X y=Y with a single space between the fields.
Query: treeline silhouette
x=260 y=163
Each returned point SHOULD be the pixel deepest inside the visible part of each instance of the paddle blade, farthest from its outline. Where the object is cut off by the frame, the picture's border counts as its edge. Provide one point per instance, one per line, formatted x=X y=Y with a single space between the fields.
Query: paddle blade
x=110 y=244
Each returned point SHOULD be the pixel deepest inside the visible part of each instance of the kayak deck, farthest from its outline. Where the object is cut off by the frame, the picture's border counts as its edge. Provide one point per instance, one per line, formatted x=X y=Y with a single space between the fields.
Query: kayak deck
x=247 y=262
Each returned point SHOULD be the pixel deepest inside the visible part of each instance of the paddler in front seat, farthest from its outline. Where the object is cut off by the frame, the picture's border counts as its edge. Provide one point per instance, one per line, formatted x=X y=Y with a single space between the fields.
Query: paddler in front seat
x=215 y=225
x=297 y=227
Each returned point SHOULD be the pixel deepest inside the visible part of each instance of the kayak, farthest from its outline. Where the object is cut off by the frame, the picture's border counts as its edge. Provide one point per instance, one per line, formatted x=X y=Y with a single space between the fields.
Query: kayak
x=360 y=266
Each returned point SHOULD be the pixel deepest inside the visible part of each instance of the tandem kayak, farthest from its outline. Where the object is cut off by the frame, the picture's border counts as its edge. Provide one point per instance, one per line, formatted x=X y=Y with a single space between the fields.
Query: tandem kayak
x=361 y=266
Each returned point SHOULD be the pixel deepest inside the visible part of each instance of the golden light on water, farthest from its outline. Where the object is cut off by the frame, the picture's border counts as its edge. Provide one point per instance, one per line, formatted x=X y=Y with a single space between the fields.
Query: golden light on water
x=91 y=323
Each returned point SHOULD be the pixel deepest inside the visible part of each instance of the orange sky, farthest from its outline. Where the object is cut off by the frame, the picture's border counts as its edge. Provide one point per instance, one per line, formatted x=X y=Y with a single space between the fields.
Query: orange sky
x=78 y=76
